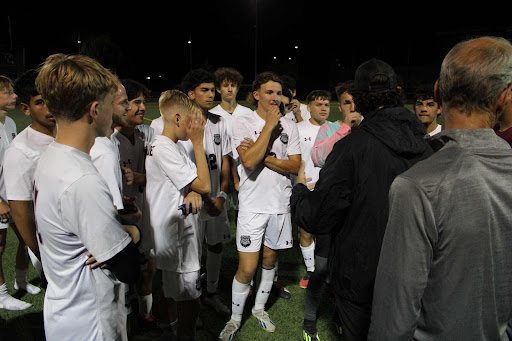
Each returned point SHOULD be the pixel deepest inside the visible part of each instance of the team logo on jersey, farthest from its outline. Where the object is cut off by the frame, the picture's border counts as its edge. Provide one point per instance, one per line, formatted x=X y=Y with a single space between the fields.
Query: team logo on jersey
x=216 y=138
x=284 y=138
x=245 y=241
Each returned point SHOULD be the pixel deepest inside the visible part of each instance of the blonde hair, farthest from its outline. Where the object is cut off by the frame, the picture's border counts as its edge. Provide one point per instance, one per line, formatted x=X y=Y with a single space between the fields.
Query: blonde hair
x=5 y=83
x=69 y=84
x=176 y=98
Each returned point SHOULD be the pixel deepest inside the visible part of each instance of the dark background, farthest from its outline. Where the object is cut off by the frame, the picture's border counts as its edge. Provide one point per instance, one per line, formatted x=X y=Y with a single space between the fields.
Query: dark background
x=151 y=40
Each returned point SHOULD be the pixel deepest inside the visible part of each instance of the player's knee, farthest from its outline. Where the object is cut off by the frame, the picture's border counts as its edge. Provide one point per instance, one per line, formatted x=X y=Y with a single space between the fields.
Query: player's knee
x=245 y=274
x=217 y=248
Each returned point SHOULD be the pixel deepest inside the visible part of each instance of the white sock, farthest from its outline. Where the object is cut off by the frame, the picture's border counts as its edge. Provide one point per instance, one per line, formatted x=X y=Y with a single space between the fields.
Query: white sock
x=264 y=288
x=213 y=263
x=145 y=305
x=35 y=262
x=10 y=303
x=308 y=253
x=20 y=282
x=239 y=293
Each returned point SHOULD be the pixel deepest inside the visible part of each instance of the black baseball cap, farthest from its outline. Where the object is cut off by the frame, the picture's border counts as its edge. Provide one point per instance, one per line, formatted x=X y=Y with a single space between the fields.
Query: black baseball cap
x=375 y=75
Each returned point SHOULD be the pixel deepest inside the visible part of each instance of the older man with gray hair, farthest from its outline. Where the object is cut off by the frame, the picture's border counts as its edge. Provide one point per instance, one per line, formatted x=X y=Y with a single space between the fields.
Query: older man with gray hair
x=445 y=266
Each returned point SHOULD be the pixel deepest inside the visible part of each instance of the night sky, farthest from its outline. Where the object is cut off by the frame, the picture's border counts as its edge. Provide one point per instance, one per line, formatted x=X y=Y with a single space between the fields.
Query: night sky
x=332 y=38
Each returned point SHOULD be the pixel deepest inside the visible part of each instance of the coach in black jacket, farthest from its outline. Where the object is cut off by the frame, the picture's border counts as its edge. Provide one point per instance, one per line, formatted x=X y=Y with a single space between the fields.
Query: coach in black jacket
x=350 y=200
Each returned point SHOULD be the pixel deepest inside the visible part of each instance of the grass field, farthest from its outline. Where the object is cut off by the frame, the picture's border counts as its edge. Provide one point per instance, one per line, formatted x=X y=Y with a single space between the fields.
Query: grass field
x=287 y=314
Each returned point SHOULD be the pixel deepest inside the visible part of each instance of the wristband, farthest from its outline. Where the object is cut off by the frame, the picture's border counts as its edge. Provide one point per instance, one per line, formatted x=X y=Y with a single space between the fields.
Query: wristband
x=223 y=194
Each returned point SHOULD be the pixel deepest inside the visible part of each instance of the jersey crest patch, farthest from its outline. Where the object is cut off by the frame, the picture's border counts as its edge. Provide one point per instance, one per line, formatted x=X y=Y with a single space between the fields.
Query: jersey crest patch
x=216 y=139
x=284 y=138
x=245 y=241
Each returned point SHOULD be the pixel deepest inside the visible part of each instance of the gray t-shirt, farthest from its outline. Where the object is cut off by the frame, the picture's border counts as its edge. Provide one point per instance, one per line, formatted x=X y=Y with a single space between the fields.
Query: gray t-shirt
x=445 y=264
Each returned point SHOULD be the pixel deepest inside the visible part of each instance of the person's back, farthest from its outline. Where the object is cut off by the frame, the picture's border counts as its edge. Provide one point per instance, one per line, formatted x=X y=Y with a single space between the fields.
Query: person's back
x=468 y=253
x=450 y=216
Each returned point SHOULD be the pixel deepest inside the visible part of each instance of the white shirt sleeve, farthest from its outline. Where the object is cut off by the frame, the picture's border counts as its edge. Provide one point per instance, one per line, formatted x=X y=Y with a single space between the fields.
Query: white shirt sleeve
x=293 y=140
x=175 y=166
x=107 y=165
x=18 y=175
x=87 y=210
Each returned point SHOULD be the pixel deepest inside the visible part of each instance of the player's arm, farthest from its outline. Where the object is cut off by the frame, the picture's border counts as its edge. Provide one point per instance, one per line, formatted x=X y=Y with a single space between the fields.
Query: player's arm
x=255 y=154
x=139 y=178
x=290 y=166
x=195 y=131
x=234 y=174
x=219 y=202
x=401 y=277
x=22 y=213
x=125 y=264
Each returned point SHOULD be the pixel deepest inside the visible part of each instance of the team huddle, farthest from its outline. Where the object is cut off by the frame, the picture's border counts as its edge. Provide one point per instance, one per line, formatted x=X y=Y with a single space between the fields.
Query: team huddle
x=157 y=193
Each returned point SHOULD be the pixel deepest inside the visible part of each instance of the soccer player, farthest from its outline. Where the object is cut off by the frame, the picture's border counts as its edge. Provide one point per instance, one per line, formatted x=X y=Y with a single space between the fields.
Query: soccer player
x=174 y=179
x=428 y=111
x=298 y=111
x=227 y=84
x=319 y=105
x=74 y=210
x=20 y=162
x=7 y=133
x=265 y=188
x=331 y=132
x=133 y=140
x=199 y=85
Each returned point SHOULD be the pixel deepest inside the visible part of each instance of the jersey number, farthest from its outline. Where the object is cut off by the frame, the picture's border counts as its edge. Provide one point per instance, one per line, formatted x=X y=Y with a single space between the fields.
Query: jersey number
x=212 y=161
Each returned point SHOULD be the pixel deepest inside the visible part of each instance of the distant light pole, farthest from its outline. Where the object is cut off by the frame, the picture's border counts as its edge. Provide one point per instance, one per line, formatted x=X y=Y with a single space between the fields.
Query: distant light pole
x=189 y=42
x=256 y=39
x=79 y=43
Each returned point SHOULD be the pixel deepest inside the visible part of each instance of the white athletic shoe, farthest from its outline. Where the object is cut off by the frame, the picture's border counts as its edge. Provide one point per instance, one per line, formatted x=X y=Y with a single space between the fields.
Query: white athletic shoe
x=229 y=331
x=214 y=302
x=11 y=303
x=31 y=289
x=265 y=322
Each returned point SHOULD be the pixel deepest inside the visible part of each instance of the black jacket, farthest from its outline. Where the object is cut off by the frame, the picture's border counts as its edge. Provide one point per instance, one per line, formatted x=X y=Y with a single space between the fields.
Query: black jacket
x=350 y=199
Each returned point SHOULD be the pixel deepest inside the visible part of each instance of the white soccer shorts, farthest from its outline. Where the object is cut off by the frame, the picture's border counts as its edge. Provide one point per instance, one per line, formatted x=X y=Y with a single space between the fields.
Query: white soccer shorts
x=181 y=286
x=216 y=230
x=275 y=230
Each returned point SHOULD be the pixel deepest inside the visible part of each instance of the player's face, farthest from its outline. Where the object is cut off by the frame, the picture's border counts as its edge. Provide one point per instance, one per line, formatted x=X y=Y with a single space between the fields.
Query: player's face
x=121 y=107
x=41 y=116
x=7 y=99
x=104 y=115
x=427 y=110
x=320 y=110
x=228 y=90
x=269 y=95
x=346 y=104
x=285 y=101
x=135 y=116
x=203 y=95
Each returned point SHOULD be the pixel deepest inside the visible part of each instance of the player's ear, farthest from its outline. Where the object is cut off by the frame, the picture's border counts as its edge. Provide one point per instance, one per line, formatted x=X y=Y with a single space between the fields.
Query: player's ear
x=177 y=119
x=256 y=95
x=191 y=94
x=25 y=108
x=92 y=113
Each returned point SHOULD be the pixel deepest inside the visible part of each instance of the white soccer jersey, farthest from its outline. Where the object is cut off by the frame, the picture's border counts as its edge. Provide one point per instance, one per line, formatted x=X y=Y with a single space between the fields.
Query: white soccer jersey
x=307 y=136
x=304 y=112
x=264 y=190
x=177 y=240
x=158 y=125
x=7 y=134
x=75 y=214
x=20 y=161
x=239 y=110
x=133 y=156
x=436 y=131
x=216 y=144
x=105 y=157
